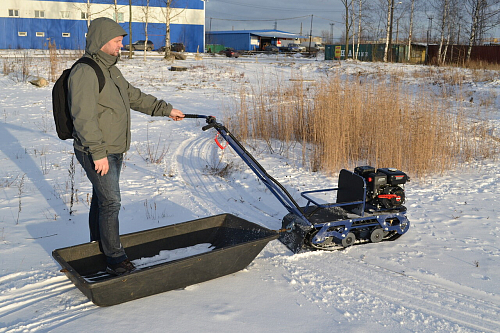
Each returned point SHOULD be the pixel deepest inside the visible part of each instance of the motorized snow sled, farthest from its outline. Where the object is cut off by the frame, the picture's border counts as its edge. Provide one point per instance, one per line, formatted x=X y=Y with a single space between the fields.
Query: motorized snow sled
x=368 y=208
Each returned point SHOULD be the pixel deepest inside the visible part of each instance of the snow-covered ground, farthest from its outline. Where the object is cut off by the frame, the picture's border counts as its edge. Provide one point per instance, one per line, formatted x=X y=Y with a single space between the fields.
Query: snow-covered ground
x=442 y=276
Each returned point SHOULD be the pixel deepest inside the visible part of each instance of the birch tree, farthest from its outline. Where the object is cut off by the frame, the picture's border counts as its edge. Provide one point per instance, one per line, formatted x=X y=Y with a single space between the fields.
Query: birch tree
x=87 y=9
x=169 y=14
x=484 y=17
x=146 y=21
x=443 y=28
x=388 y=35
x=360 y=4
x=410 y=32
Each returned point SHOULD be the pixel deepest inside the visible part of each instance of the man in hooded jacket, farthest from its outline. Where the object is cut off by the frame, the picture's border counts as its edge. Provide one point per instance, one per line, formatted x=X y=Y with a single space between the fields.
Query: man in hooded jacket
x=102 y=132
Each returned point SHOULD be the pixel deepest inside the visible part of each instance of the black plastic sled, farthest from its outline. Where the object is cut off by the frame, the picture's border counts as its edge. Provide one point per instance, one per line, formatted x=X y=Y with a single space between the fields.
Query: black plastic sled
x=232 y=244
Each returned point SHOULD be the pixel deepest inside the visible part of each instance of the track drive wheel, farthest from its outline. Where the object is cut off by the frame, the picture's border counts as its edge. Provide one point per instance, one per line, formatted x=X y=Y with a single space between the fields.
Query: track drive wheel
x=377 y=235
x=328 y=245
x=348 y=240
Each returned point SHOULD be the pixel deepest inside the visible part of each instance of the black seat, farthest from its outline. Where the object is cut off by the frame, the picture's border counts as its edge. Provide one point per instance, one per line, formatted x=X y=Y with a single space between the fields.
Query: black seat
x=351 y=189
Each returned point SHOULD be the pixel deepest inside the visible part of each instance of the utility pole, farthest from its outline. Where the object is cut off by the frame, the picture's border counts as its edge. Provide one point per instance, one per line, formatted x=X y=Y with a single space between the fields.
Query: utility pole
x=210 y=30
x=311 y=33
x=430 y=30
x=428 y=38
x=331 y=32
x=390 y=30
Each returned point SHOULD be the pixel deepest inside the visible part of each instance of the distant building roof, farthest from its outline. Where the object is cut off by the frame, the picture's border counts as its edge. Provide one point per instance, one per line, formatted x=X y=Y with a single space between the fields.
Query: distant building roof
x=261 y=33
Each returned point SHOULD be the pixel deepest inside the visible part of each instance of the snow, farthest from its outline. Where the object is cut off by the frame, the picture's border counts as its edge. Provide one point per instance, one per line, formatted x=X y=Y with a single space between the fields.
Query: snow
x=171 y=255
x=162 y=257
x=442 y=276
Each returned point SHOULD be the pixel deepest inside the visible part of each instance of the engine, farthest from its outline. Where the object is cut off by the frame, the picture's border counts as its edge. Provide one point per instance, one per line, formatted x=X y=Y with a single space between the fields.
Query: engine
x=385 y=186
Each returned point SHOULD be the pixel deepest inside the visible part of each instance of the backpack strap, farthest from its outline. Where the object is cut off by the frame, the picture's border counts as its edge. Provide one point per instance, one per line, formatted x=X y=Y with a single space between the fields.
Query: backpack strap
x=98 y=71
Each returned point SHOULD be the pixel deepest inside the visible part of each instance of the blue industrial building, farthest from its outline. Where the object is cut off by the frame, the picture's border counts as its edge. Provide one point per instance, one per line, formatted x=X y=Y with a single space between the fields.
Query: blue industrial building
x=31 y=24
x=250 y=40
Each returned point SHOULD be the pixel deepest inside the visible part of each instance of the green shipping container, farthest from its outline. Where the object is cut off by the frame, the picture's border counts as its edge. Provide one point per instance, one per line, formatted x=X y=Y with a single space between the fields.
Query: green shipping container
x=214 y=48
x=366 y=52
x=337 y=52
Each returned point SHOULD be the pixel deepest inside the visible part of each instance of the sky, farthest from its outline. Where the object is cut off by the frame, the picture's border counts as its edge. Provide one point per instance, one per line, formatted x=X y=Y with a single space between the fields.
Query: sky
x=295 y=16
x=284 y=15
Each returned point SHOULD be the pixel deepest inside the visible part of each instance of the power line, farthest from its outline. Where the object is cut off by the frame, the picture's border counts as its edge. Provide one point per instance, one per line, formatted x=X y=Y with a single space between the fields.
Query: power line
x=277 y=8
x=267 y=20
x=327 y=19
x=272 y=20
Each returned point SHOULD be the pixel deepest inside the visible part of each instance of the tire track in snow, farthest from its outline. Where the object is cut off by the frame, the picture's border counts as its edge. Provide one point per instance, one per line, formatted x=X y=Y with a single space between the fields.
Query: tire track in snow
x=215 y=195
x=335 y=281
x=53 y=296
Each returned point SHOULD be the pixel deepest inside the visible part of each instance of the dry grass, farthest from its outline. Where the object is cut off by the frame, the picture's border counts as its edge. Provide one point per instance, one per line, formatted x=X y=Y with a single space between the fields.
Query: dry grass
x=343 y=123
x=54 y=72
x=151 y=152
x=482 y=65
x=481 y=71
x=18 y=68
x=25 y=64
x=8 y=67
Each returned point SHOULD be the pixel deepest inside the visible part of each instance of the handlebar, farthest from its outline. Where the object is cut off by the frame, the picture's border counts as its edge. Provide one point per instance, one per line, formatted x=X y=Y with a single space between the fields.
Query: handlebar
x=188 y=115
x=211 y=121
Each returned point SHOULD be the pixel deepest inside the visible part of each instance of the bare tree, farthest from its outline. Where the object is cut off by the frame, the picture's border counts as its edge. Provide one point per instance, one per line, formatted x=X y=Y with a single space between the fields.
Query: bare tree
x=89 y=13
x=326 y=36
x=376 y=20
x=168 y=4
x=360 y=4
x=388 y=36
x=169 y=14
x=117 y=8
x=412 y=13
x=391 y=4
x=348 y=23
x=146 y=21
x=130 y=29
x=443 y=28
x=87 y=10
x=484 y=17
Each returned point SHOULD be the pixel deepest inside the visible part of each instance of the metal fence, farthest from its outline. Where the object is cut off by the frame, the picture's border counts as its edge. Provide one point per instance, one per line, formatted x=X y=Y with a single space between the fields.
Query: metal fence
x=399 y=53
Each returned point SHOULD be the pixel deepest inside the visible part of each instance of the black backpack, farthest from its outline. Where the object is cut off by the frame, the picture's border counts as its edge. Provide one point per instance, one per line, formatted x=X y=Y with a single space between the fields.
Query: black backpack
x=60 y=105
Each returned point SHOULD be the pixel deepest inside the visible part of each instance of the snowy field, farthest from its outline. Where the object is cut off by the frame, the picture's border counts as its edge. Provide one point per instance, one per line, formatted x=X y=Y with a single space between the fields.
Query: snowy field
x=442 y=276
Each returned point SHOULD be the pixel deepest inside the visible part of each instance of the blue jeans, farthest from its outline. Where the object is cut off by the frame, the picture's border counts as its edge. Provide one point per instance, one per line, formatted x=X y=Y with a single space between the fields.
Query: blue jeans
x=105 y=205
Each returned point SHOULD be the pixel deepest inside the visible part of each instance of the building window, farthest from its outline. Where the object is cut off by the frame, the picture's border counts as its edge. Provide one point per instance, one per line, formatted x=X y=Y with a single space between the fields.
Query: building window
x=22 y=33
x=64 y=15
x=14 y=12
x=121 y=17
x=39 y=13
x=66 y=34
x=85 y=15
x=40 y=34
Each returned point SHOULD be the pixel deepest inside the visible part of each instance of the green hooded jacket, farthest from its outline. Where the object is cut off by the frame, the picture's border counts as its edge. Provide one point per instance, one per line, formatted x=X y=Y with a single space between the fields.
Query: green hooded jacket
x=102 y=120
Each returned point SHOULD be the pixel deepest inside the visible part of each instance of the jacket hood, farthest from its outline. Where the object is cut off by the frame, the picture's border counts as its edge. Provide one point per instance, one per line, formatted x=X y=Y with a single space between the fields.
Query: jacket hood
x=101 y=31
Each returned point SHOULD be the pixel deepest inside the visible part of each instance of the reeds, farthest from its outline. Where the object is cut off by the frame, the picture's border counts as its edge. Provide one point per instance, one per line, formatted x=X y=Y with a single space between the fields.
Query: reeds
x=342 y=123
x=54 y=72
